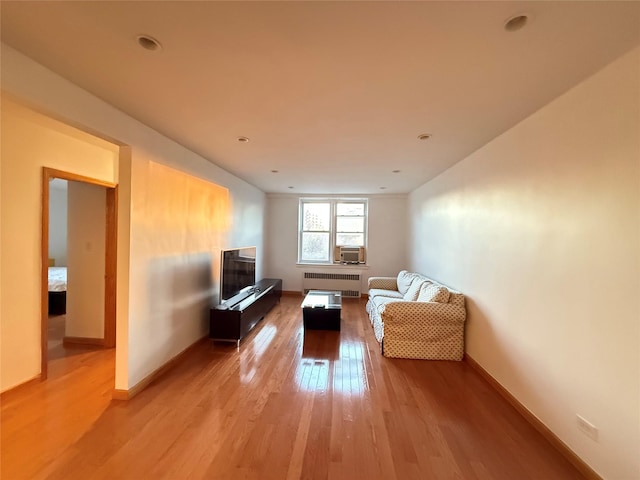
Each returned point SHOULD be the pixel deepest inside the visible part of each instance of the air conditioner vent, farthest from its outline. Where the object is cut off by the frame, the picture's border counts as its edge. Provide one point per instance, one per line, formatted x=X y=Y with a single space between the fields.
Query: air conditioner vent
x=344 y=293
x=349 y=284
x=333 y=276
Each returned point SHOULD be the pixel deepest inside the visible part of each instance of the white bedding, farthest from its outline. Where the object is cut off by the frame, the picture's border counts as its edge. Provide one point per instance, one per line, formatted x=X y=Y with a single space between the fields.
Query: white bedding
x=57 y=279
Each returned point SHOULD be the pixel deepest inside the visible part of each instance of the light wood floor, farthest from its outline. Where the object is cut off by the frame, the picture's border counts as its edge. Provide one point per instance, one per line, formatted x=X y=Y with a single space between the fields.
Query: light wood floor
x=286 y=405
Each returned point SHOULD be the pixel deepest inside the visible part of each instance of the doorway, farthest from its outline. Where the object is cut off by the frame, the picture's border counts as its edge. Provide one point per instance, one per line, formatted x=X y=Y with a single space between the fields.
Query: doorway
x=110 y=190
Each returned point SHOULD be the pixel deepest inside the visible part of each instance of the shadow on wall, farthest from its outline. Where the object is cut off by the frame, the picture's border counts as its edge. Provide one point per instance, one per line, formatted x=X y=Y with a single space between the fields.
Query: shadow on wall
x=494 y=349
x=181 y=291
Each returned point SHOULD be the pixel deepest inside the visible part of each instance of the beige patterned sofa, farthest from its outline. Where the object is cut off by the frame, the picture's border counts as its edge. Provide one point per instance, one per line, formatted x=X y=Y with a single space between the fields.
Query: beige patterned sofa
x=415 y=317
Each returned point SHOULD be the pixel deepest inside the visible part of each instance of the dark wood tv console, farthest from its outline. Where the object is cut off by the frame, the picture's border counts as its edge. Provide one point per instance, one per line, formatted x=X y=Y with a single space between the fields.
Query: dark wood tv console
x=232 y=322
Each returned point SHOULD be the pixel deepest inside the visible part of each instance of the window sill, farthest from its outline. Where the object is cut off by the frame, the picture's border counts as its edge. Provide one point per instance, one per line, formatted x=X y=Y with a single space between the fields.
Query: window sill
x=362 y=266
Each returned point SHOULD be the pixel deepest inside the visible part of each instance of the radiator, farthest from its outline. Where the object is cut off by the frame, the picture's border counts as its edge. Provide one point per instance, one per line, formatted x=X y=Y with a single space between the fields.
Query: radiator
x=346 y=283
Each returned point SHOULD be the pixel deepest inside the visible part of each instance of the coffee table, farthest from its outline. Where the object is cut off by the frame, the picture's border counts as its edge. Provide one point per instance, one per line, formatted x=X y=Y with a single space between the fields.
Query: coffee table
x=321 y=310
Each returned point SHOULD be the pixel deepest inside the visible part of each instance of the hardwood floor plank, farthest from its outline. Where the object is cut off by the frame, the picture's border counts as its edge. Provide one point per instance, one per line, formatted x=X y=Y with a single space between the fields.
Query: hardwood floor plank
x=285 y=404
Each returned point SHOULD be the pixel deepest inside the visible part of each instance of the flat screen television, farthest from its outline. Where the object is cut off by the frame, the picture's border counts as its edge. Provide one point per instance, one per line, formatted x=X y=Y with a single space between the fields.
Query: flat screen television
x=237 y=271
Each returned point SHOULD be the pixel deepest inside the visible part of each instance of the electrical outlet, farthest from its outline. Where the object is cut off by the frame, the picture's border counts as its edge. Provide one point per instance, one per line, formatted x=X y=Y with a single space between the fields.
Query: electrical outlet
x=588 y=428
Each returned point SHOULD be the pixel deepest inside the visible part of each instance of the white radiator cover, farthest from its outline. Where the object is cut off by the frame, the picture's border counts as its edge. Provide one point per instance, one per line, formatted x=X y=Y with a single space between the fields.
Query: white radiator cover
x=348 y=283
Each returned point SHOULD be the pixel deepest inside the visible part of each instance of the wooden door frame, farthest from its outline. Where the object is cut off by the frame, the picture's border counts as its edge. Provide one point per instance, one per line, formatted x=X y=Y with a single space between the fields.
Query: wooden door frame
x=111 y=227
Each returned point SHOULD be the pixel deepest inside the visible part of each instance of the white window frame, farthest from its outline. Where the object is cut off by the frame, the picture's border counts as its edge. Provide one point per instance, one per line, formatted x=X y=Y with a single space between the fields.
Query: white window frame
x=333 y=202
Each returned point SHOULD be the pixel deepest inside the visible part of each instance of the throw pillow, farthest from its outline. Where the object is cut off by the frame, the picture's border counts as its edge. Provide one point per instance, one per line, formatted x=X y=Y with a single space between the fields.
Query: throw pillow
x=414 y=290
x=430 y=292
x=404 y=281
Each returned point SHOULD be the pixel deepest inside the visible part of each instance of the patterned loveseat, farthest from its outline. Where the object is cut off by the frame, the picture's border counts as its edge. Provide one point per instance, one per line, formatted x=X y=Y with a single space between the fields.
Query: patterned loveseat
x=415 y=317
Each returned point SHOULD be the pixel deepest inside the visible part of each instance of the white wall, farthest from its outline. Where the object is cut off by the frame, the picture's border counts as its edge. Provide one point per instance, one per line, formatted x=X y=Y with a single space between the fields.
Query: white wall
x=29 y=142
x=58 y=222
x=179 y=223
x=86 y=265
x=141 y=345
x=540 y=228
x=386 y=249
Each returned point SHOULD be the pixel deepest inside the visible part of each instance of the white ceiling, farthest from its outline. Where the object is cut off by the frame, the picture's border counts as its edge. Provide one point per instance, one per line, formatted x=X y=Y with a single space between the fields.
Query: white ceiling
x=333 y=95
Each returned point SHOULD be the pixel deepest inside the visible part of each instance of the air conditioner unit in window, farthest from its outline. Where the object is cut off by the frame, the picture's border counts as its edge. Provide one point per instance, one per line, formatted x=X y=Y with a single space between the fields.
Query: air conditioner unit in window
x=350 y=255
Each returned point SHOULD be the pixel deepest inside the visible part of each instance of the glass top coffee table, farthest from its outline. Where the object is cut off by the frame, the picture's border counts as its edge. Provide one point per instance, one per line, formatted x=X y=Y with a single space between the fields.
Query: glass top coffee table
x=321 y=310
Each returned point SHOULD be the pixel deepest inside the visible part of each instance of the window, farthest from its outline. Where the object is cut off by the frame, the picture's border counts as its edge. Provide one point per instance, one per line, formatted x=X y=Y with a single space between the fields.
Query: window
x=328 y=223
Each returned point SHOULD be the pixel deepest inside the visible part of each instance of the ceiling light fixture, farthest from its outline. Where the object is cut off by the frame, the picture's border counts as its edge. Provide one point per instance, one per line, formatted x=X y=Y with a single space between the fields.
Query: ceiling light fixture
x=516 y=22
x=395 y=171
x=383 y=188
x=290 y=188
x=149 y=43
x=274 y=171
x=424 y=136
x=243 y=139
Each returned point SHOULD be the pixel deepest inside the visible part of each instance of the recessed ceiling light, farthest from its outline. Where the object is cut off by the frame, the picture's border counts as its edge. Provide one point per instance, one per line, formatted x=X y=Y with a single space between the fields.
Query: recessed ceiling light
x=383 y=188
x=516 y=22
x=424 y=136
x=274 y=171
x=395 y=171
x=243 y=139
x=291 y=188
x=149 y=43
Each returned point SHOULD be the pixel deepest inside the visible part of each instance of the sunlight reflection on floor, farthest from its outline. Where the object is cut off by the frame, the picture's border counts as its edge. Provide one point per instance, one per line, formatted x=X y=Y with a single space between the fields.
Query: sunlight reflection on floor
x=259 y=345
x=343 y=369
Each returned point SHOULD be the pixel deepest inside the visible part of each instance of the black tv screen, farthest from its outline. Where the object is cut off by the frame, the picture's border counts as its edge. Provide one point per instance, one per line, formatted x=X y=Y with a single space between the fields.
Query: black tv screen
x=238 y=271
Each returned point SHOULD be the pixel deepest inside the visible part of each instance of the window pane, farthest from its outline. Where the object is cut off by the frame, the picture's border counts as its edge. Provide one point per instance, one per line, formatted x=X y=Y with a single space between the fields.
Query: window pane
x=350 y=224
x=315 y=247
x=350 y=239
x=316 y=217
x=350 y=209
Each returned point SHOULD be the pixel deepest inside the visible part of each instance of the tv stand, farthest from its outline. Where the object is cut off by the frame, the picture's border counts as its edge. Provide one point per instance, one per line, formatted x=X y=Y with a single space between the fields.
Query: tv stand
x=232 y=322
